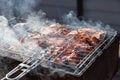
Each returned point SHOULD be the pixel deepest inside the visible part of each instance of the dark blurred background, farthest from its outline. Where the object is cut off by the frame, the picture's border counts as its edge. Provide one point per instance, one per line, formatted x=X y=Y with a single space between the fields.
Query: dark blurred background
x=106 y=11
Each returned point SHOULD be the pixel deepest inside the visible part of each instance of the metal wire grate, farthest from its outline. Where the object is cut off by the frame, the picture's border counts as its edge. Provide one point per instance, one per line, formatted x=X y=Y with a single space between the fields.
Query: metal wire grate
x=48 y=61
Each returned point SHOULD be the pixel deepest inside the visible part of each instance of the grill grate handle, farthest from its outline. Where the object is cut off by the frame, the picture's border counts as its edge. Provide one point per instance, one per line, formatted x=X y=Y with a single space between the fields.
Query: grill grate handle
x=22 y=69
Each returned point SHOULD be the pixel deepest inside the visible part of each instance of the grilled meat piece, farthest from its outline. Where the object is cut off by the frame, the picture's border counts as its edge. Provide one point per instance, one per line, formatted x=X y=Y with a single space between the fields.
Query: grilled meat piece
x=84 y=40
x=62 y=29
x=70 y=46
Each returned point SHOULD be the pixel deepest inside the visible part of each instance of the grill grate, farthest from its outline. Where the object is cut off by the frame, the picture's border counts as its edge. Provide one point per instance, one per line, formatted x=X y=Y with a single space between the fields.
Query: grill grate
x=86 y=61
x=48 y=61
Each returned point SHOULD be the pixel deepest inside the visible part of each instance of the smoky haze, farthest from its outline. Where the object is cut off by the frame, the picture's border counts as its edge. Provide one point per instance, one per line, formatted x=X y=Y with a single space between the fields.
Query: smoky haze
x=34 y=22
x=16 y=8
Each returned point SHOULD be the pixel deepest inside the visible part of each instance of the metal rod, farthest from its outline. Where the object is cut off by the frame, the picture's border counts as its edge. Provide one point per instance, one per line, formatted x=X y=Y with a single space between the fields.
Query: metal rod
x=91 y=58
x=33 y=62
x=24 y=67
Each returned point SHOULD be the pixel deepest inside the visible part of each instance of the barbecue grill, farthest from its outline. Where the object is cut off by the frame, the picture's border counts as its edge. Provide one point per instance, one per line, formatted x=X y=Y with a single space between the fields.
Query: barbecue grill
x=47 y=62
x=96 y=63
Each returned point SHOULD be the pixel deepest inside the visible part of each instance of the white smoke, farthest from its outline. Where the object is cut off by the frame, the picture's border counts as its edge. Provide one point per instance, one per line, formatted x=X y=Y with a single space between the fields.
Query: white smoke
x=7 y=36
x=20 y=30
x=3 y=22
x=6 y=8
x=73 y=22
x=39 y=21
x=17 y=8
x=11 y=36
x=35 y=22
